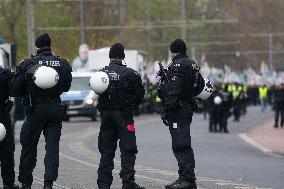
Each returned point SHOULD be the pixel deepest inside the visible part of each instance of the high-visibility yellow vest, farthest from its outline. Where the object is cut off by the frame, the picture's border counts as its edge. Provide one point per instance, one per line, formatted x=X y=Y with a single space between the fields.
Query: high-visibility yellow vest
x=240 y=90
x=230 y=88
x=245 y=88
x=235 y=91
x=157 y=99
x=263 y=92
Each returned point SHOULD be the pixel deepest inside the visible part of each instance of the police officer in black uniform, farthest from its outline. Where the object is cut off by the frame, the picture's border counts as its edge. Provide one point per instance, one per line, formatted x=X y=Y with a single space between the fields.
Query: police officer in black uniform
x=178 y=105
x=220 y=112
x=237 y=102
x=215 y=109
x=44 y=112
x=227 y=101
x=116 y=104
x=7 y=146
x=279 y=105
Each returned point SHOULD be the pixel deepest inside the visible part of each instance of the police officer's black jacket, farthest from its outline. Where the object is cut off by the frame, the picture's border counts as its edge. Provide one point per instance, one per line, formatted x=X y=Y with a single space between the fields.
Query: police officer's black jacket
x=125 y=90
x=227 y=99
x=22 y=84
x=279 y=98
x=5 y=77
x=183 y=82
x=279 y=95
x=212 y=105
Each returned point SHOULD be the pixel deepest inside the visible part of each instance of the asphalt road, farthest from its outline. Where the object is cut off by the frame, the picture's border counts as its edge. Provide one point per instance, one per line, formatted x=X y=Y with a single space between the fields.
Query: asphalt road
x=223 y=161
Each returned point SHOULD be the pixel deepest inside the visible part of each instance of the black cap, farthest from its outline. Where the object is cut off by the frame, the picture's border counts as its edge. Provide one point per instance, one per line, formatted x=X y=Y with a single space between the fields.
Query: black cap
x=43 y=41
x=117 y=51
x=178 y=46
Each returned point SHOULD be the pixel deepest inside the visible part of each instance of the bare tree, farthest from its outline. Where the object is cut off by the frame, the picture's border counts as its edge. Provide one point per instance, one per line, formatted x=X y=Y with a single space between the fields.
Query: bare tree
x=11 y=11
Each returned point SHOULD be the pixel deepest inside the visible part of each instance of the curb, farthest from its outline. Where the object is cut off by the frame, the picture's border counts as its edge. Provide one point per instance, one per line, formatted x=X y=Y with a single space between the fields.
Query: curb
x=262 y=147
x=253 y=143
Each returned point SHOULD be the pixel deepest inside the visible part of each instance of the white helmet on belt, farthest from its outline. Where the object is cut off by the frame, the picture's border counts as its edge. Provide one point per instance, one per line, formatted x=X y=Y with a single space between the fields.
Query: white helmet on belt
x=99 y=82
x=207 y=90
x=46 y=77
x=217 y=100
x=2 y=132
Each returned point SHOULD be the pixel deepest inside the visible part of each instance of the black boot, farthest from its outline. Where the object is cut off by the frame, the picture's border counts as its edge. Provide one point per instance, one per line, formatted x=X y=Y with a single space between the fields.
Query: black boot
x=26 y=186
x=13 y=186
x=184 y=185
x=169 y=186
x=131 y=186
x=48 y=184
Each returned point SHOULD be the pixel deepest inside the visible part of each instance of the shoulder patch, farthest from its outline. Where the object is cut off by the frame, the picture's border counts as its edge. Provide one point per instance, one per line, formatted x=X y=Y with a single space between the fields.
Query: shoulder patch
x=195 y=66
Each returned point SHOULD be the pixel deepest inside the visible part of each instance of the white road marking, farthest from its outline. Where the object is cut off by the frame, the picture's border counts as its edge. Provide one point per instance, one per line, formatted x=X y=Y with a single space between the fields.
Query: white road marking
x=254 y=143
x=115 y=171
x=250 y=188
x=92 y=131
x=41 y=182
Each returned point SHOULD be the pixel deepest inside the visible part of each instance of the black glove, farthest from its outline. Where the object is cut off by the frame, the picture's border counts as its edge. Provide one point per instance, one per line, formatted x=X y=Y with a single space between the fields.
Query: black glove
x=164 y=118
x=195 y=102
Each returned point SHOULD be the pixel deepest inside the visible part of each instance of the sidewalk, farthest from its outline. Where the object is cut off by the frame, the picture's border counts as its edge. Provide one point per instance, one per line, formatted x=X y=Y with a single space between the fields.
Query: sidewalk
x=268 y=138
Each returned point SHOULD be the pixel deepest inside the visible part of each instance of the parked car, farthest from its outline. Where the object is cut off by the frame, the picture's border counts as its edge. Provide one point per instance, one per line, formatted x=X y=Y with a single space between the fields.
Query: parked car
x=81 y=99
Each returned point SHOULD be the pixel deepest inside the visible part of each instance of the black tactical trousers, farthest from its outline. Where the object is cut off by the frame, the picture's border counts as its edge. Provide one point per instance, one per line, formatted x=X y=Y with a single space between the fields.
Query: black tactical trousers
x=116 y=125
x=236 y=111
x=46 y=118
x=181 y=145
x=279 y=111
x=180 y=121
x=224 y=115
x=215 y=119
x=7 y=148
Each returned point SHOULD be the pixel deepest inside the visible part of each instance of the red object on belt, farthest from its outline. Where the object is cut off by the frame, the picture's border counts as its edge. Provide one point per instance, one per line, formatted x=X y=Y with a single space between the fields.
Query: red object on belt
x=131 y=128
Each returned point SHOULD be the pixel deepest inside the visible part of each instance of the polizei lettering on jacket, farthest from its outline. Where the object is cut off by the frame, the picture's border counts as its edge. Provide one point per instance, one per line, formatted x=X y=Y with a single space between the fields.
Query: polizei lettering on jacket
x=53 y=63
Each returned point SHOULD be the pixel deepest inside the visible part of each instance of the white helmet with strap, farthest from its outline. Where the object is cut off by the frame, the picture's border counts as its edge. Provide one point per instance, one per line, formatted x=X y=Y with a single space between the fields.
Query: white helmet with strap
x=99 y=82
x=217 y=100
x=207 y=90
x=2 y=132
x=46 y=77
